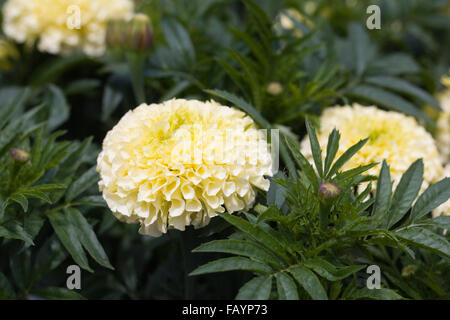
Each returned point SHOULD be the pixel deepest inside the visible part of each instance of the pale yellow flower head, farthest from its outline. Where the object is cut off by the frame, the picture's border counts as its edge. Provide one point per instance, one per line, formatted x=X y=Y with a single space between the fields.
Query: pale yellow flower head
x=443 y=122
x=63 y=26
x=395 y=137
x=178 y=163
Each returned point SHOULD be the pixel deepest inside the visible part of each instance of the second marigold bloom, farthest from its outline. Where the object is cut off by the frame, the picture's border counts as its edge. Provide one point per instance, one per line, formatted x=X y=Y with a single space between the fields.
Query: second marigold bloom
x=179 y=162
x=63 y=26
x=393 y=137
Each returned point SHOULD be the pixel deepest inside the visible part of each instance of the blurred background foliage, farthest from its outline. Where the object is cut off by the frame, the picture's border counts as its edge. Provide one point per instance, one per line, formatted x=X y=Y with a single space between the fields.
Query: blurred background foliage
x=289 y=59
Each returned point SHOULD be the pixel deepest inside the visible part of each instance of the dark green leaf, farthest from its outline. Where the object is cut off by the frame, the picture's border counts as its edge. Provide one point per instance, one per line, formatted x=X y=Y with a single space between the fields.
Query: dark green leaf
x=406 y=192
x=69 y=238
x=383 y=194
x=433 y=197
x=233 y=263
x=286 y=287
x=257 y=288
x=87 y=237
x=425 y=238
x=309 y=281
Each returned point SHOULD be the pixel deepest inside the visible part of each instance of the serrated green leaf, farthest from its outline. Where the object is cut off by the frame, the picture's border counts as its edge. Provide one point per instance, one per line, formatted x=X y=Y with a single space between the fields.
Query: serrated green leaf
x=350 y=152
x=383 y=194
x=241 y=248
x=433 y=197
x=286 y=287
x=329 y=271
x=13 y=230
x=309 y=281
x=69 y=238
x=230 y=264
x=87 y=237
x=406 y=192
x=258 y=234
x=332 y=148
x=58 y=107
x=315 y=147
x=403 y=86
x=86 y=180
x=20 y=199
x=387 y=99
x=425 y=238
x=257 y=288
x=303 y=163
x=111 y=100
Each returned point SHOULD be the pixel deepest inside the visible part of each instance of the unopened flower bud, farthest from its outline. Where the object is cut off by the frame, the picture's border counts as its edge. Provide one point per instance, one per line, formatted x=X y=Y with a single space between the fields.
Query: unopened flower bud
x=329 y=190
x=19 y=155
x=409 y=270
x=274 y=88
x=139 y=33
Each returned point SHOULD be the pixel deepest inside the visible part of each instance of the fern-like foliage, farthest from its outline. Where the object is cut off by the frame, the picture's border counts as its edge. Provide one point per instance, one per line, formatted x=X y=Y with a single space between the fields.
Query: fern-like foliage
x=51 y=184
x=303 y=245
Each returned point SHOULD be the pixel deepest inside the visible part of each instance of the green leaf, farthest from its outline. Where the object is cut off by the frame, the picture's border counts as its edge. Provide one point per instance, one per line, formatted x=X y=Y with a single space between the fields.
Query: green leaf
x=20 y=199
x=178 y=39
x=241 y=104
x=433 y=197
x=32 y=192
x=397 y=63
x=55 y=293
x=375 y=294
x=239 y=247
x=425 y=238
x=349 y=174
x=111 y=100
x=33 y=223
x=257 y=288
x=286 y=287
x=442 y=221
x=87 y=237
x=387 y=99
x=405 y=87
x=86 y=180
x=13 y=230
x=303 y=163
x=350 y=152
x=276 y=195
x=309 y=281
x=361 y=46
x=406 y=192
x=93 y=201
x=383 y=194
x=58 y=106
x=13 y=100
x=258 y=234
x=315 y=148
x=230 y=264
x=329 y=271
x=69 y=238
x=332 y=148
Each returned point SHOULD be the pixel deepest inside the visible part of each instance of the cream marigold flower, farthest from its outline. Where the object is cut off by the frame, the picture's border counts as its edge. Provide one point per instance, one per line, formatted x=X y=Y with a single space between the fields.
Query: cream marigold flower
x=395 y=137
x=443 y=123
x=63 y=26
x=176 y=164
x=443 y=209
